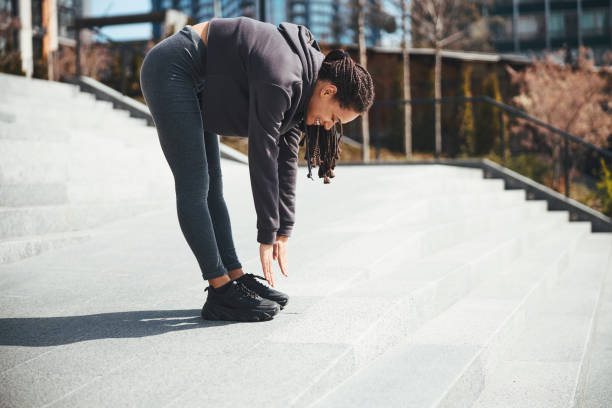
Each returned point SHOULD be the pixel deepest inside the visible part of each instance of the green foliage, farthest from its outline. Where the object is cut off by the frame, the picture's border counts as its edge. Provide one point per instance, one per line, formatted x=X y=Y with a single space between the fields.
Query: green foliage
x=466 y=116
x=423 y=114
x=604 y=189
x=527 y=164
x=114 y=78
x=129 y=61
x=487 y=123
x=396 y=124
x=10 y=58
x=10 y=63
x=41 y=68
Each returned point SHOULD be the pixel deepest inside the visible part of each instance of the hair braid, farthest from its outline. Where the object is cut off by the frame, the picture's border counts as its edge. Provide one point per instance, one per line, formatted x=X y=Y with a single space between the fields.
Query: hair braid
x=355 y=92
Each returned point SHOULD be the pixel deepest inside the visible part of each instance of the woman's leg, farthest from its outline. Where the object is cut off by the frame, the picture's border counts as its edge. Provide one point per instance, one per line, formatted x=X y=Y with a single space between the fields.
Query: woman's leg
x=172 y=100
x=218 y=207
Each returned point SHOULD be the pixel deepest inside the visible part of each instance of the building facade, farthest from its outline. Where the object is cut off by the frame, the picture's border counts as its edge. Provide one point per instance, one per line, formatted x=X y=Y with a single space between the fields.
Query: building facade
x=43 y=26
x=547 y=25
x=201 y=10
x=327 y=19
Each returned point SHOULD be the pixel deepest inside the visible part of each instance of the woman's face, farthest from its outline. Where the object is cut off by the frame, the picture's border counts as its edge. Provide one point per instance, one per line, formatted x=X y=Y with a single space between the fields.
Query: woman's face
x=324 y=108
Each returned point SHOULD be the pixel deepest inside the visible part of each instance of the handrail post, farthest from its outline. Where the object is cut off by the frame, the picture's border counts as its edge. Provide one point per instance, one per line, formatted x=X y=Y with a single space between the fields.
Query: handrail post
x=501 y=137
x=565 y=166
x=77 y=49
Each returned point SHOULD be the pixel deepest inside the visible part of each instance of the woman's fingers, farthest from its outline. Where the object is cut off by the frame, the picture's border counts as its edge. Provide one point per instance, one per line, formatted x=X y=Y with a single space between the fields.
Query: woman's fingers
x=270 y=274
x=265 y=254
x=268 y=268
x=282 y=260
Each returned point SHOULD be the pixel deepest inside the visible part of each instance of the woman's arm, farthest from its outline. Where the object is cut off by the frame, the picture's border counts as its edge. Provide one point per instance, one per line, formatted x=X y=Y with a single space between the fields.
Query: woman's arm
x=267 y=105
x=287 y=176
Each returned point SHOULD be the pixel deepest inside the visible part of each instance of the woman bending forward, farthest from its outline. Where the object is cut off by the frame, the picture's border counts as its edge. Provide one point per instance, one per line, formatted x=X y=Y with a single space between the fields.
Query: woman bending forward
x=272 y=84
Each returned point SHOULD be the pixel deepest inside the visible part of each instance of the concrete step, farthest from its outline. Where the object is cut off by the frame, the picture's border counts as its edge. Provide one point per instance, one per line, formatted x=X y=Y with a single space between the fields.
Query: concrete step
x=16 y=222
x=135 y=320
x=53 y=106
x=317 y=360
x=81 y=104
x=593 y=386
x=38 y=131
x=88 y=158
x=301 y=359
x=359 y=259
x=22 y=194
x=541 y=367
x=390 y=306
x=16 y=249
x=365 y=254
x=49 y=98
x=444 y=362
x=73 y=118
x=34 y=87
x=21 y=131
x=45 y=101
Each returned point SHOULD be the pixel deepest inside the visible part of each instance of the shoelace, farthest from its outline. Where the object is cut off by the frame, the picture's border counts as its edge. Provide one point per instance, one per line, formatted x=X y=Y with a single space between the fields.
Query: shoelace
x=251 y=277
x=246 y=291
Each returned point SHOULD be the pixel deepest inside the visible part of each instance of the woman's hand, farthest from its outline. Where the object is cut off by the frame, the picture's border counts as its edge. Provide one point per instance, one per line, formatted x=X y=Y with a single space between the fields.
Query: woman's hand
x=270 y=252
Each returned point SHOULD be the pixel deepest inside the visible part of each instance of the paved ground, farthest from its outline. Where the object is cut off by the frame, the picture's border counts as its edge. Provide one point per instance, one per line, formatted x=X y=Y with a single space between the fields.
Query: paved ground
x=115 y=321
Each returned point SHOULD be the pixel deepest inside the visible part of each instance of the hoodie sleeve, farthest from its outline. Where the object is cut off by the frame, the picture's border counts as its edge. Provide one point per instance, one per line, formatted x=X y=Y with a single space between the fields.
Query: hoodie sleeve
x=267 y=105
x=287 y=175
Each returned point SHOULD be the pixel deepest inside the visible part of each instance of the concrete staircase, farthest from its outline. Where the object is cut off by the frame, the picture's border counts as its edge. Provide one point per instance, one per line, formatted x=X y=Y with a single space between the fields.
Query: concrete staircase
x=469 y=297
x=422 y=286
x=70 y=163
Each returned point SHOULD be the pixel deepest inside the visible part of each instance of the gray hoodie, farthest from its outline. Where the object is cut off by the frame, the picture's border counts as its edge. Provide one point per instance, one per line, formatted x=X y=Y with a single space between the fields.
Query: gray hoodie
x=259 y=80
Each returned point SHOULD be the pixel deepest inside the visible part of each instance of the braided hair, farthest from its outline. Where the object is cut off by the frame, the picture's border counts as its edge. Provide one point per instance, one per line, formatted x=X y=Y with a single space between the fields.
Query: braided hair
x=355 y=92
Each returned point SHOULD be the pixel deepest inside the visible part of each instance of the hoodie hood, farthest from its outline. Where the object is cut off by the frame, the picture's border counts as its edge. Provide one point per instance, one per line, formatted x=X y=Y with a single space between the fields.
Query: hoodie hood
x=303 y=43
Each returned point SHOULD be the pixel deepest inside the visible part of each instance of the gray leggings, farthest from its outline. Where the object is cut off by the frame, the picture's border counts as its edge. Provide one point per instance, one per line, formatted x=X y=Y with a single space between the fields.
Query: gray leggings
x=171 y=78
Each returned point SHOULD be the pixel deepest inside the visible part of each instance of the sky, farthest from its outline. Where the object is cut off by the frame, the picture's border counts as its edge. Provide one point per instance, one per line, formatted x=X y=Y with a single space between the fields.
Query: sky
x=100 y=8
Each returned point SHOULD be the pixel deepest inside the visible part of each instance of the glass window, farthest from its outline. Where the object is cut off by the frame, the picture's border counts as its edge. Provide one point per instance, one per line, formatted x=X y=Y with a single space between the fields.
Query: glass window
x=556 y=25
x=593 y=22
x=298 y=8
x=5 y=5
x=319 y=19
x=528 y=26
x=320 y=8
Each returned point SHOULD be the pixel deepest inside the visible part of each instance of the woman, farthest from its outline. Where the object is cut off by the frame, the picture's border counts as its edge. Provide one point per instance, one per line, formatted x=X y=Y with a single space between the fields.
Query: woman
x=242 y=77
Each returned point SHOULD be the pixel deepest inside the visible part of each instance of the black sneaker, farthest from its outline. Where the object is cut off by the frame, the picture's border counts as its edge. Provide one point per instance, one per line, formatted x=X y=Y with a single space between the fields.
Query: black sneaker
x=248 y=280
x=234 y=301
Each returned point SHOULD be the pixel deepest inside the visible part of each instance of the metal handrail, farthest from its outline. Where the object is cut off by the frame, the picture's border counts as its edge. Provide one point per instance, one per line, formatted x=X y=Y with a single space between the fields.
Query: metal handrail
x=510 y=110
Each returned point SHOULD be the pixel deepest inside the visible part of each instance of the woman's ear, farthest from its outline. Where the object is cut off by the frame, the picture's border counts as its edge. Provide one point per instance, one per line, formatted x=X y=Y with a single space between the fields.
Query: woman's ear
x=330 y=89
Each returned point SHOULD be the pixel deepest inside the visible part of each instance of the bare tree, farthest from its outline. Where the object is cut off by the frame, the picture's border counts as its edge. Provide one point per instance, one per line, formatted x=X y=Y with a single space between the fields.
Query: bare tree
x=406 y=77
x=365 y=123
x=442 y=24
x=362 y=14
x=95 y=60
x=375 y=17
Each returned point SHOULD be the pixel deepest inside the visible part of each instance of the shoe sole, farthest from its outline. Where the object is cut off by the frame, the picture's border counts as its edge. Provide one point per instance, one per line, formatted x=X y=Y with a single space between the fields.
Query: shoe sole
x=227 y=314
x=282 y=305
